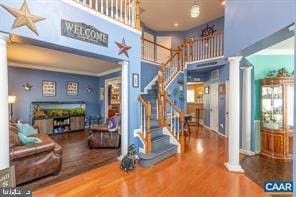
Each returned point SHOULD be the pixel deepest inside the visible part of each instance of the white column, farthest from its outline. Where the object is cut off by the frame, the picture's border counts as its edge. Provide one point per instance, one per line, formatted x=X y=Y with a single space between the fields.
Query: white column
x=124 y=108
x=246 y=111
x=4 y=136
x=234 y=114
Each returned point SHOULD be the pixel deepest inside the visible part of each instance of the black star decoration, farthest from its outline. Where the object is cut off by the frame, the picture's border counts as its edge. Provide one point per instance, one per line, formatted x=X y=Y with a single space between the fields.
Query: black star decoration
x=123 y=48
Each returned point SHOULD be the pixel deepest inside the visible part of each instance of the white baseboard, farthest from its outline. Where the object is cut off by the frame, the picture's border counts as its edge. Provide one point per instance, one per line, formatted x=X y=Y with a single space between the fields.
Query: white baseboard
x=233 y=168
x=214 y=131
x=247 y=152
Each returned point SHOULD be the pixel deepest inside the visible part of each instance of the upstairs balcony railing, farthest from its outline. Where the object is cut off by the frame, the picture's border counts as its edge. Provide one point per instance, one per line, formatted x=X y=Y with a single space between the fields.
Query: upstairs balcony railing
x=125 y=11
x=190 y=50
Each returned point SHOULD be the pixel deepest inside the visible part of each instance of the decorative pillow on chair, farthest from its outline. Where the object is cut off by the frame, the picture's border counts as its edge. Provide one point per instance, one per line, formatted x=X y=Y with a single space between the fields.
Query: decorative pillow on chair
x=26 y=129
x=28 y=140
x=113 y=123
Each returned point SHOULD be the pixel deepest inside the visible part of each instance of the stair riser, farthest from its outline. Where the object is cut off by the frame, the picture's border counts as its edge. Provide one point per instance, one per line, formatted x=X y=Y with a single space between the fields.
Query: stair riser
x=150 y=162
x=156 y=132
x=160 y=143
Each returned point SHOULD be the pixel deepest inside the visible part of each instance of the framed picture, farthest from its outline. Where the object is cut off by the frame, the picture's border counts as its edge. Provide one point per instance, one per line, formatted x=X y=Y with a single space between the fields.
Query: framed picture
x=48 y=88
x=72 y=88
x=136 y=80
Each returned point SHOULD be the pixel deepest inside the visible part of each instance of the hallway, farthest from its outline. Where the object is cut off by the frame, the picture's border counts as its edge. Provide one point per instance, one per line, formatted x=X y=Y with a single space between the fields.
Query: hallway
x=198 y=172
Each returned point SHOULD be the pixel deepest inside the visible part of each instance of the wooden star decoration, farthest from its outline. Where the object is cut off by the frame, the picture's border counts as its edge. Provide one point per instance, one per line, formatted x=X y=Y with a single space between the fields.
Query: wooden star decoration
x=123 y=48
x=23 y=17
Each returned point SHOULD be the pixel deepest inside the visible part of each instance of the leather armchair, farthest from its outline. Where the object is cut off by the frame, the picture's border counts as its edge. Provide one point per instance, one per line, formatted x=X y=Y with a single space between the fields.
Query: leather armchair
x=35 y=160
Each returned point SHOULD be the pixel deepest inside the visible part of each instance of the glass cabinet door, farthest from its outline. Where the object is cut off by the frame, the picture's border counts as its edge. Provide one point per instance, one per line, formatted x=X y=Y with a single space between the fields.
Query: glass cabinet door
x=290 y=106
x=272 y=107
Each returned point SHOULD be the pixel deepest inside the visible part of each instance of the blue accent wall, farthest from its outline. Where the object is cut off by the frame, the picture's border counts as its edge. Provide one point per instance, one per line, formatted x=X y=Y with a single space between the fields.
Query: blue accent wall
x=149 y=72
x=53 y=39
x=17 y=77
x=248 y=21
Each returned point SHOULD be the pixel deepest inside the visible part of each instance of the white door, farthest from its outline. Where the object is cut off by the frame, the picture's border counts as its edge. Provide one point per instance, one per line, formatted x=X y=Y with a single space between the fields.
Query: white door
x=214 y=110
x=163 y=55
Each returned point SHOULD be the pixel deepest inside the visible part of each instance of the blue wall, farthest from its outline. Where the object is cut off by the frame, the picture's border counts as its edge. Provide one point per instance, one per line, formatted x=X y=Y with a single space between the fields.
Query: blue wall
x=248 y=21
x=149 y=72
x=53 y=39
x=17 y=77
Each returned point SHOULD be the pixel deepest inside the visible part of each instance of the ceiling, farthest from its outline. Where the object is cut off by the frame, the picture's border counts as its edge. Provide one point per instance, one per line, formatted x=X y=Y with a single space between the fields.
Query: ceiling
x=285 y=47
x=161 y=15
x=28 y=56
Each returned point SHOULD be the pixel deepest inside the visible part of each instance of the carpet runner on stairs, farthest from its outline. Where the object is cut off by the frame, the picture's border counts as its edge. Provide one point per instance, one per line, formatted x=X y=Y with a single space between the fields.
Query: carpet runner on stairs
x=161 y=148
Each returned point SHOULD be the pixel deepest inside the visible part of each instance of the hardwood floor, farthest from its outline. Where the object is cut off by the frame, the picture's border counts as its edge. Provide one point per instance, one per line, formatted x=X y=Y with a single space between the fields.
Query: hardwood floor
x=198 y=172
x=260 y=168
x=77 y=159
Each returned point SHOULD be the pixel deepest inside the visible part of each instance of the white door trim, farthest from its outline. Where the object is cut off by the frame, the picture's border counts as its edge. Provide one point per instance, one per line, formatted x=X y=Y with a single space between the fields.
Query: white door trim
x=216 y=118
x=106 y=94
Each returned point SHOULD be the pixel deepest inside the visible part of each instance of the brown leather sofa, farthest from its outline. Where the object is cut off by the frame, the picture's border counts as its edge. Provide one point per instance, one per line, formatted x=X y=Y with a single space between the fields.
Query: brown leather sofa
x=35 y=160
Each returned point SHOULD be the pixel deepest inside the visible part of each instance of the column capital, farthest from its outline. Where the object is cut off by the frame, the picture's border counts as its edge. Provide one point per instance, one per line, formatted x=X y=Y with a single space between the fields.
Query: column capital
x=123 y=63
x=246 y=67
x=4 y=37
x=235 y=59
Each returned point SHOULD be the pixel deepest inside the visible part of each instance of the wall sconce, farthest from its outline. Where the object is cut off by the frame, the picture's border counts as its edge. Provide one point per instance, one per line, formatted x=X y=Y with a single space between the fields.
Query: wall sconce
x=89 y=89
x=27 y=87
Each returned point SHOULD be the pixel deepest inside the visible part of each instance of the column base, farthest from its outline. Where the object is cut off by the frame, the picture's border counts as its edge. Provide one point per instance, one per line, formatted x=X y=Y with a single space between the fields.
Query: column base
x=247 y=152
x=234 y=168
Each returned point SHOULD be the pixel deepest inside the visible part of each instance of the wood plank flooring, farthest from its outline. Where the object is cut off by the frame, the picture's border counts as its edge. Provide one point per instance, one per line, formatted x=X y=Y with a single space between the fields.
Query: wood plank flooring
x=198 y=172
x=77 y=158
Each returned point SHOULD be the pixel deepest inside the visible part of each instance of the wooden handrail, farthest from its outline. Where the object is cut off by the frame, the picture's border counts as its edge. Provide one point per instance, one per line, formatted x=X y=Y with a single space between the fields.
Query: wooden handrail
x=143 y=101
x=167 y=62
x=171 y=103
x=156 y=44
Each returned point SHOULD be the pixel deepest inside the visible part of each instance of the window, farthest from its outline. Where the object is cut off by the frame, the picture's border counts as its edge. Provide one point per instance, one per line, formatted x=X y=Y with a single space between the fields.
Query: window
x=190 y=96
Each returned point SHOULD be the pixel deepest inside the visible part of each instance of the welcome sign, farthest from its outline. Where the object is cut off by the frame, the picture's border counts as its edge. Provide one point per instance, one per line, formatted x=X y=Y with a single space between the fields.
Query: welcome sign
x=84 y=32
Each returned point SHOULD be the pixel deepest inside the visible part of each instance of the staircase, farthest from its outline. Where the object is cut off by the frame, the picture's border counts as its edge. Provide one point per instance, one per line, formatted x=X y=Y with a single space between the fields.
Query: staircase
x=162 y=123
x=161 y=148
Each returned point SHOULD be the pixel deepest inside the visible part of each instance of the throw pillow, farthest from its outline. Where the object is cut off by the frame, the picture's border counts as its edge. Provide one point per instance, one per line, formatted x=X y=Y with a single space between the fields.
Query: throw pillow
x=28 y=140
x=26 y=129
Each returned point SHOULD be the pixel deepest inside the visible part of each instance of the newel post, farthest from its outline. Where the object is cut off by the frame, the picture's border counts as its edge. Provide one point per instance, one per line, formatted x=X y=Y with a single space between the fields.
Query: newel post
x=148 y=129
x=138 y=21
x=182 y=137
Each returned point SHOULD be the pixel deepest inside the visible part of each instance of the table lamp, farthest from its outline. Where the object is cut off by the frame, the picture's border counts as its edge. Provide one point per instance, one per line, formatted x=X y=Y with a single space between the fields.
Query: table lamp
x=11 y=101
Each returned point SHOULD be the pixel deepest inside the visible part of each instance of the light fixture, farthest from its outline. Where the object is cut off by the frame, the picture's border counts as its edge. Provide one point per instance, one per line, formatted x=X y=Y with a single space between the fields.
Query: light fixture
x=176 y=25
x=89 y=89
x=195 y=9
x=27 y=87
x=11 y=101
x=223 y=2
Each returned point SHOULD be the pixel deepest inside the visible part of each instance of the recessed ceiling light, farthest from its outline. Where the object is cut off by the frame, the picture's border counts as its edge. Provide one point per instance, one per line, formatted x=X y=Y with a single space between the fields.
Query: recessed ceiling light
x=176 y=25
x=223 y=2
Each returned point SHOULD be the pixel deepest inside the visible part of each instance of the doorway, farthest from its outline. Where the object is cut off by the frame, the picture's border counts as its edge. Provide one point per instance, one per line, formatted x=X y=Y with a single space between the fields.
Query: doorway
x=214 y=110
x=163 y=54
x=112 y=97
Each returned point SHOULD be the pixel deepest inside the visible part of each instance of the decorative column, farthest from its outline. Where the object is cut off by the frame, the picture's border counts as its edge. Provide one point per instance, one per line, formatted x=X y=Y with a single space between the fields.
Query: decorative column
x=246 y=111
x=4 y=136
x=234 y=114
x=124 y=107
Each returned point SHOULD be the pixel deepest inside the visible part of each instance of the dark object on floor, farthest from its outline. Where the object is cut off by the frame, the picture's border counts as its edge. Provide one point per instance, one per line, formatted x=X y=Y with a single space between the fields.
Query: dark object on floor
x=129 y=161
x=33 y=161
x=105 y=136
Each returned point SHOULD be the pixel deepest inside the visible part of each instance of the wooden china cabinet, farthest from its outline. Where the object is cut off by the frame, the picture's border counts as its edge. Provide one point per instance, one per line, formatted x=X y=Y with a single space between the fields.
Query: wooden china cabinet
x=277 y=117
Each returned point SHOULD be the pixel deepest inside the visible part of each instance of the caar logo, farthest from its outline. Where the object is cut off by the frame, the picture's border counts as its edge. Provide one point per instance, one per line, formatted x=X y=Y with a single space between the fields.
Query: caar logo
x=284 y=187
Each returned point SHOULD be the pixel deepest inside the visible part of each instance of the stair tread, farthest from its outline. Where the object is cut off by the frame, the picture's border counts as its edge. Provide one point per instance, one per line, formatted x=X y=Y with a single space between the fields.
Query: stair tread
x=158 y=152
x=159 y=137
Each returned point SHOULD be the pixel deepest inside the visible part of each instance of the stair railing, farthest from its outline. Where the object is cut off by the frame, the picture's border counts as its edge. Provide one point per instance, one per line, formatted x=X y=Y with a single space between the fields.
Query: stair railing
x=151 y=51
x=125 y=11
x=145 y=116
x=174 y=120
x=203 y=48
